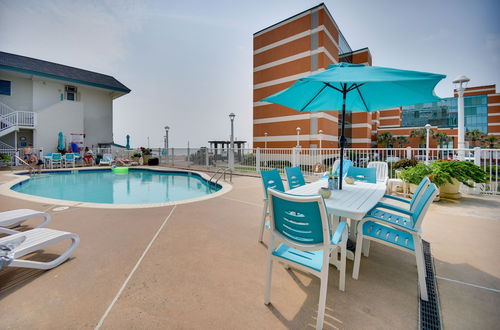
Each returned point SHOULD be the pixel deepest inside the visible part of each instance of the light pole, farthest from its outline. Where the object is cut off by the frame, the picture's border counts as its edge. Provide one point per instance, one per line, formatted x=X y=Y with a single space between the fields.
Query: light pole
x=298 y=136
x=427 y=129
x=166 y=136
x=231 y=153
x=320 y=139
x=460 y=84
x=265 y=140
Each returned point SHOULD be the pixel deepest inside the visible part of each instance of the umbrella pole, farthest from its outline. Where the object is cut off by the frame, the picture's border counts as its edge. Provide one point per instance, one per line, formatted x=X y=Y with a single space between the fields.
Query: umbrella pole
x=342 y=137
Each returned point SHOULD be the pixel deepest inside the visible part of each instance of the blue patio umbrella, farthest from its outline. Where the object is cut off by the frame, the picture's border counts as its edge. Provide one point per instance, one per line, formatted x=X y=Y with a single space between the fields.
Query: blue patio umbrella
x=357 y=87
x=60 y=141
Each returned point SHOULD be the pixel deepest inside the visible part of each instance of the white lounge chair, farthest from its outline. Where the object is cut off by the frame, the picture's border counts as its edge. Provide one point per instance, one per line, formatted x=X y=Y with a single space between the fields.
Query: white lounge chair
x=37 y=239
x=13 y=218
x=107 y=159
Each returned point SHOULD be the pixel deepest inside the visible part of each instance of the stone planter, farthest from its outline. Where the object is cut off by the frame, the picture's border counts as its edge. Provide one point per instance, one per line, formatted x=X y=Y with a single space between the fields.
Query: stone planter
x=450 y=190
x=145 y=159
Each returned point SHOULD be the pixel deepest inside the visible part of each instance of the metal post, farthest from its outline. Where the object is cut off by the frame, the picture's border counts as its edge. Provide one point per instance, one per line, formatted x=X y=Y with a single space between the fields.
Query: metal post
x=265 y=140
x=320 y=139
x=298 y=136
x=257 y=160
x=342 y=137
x=461 y=83
x=231 y=151
x=427 y=128
x=167 y=128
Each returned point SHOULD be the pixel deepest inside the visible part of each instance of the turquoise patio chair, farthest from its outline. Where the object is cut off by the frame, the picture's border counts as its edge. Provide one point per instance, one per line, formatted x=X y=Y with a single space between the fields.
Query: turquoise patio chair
x=363 y=174
x=336 y=167
x=401 y=231
x=294 y=177
x=56 y=160
x=270 y=179
x=411 y=203
x=301 y=224
x=69 y=158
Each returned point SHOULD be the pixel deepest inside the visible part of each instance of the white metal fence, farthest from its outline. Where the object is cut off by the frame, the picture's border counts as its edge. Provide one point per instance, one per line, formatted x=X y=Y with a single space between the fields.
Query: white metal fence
x=315 y=161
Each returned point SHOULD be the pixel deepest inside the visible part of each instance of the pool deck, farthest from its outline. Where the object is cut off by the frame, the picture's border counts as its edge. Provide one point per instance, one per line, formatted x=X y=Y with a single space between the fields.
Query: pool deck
x=199 y=265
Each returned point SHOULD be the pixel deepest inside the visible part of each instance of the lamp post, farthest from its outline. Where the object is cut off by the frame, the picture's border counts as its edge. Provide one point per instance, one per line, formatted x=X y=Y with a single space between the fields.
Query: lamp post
x=231 y=152
x=265 y=140
x=166 y=136
x=427 y=129
x=460 y=84
x=320 y=139
x=298 y=136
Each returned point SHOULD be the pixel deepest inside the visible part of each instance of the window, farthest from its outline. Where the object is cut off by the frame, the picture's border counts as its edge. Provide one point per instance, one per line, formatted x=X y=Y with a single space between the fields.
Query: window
x=70 y=92
x=5 y=87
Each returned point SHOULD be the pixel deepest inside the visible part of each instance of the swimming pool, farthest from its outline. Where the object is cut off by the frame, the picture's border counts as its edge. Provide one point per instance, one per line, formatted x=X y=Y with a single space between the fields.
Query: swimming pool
x=138 y=186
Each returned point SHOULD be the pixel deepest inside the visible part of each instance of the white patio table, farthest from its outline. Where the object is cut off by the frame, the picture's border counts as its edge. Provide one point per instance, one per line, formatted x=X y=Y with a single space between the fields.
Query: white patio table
x=353 y=201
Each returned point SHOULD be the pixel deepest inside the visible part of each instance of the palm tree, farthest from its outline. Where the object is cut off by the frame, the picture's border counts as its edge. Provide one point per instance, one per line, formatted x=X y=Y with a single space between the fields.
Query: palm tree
x=385 y=139
x=402 y=140
x=474 y=135
x=442 y=138
x=490 y=141
x=421 y=134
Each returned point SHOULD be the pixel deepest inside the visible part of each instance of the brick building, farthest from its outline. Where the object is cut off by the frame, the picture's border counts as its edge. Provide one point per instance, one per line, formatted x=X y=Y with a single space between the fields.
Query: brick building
x=307 y=43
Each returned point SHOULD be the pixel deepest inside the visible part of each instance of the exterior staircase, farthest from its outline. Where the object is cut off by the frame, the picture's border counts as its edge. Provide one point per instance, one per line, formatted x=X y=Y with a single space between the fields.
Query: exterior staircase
x=12 y=120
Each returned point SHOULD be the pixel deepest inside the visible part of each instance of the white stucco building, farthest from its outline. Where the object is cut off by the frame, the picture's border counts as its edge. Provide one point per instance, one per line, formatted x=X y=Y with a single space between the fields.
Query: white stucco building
x=39 y=99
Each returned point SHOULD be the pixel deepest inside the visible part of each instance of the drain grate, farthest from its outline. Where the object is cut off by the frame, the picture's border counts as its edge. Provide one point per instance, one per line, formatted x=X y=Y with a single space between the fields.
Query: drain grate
x=430 y=316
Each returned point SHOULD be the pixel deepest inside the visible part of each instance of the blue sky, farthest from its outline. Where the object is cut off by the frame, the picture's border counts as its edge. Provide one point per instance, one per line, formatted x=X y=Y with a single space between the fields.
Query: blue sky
x=189 y=63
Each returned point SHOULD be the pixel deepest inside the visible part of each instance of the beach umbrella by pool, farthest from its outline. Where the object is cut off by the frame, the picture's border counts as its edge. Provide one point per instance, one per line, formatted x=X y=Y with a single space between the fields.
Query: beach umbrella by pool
x=357 y=87
x=60 y=141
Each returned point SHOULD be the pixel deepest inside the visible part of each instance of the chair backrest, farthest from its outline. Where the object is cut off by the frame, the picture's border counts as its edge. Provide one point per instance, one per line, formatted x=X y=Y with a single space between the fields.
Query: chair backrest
x=107 y=157
x=300 y=221
x=363 y=174
x=48 y=154
x=70 y=157
x=56 y=157
x=294 y=177
x=345 y=169
x=271 y=179
x=421 y=188
x=423 y=204
x=382 y=170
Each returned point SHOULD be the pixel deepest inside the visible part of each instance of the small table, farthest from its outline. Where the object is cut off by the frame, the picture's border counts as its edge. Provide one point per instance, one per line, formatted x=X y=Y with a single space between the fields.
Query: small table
x=353 y=201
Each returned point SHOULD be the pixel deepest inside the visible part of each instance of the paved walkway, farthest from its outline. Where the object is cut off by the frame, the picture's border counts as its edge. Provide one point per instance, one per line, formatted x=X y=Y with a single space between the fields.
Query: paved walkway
x=199 y=265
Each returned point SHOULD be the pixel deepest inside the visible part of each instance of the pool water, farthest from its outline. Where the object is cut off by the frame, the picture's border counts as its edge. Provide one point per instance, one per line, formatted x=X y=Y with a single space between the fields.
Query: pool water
x=104 y=186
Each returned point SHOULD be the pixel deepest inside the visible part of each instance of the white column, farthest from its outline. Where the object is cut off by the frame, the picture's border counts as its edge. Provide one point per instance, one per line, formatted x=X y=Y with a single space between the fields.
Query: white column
x=461 y=83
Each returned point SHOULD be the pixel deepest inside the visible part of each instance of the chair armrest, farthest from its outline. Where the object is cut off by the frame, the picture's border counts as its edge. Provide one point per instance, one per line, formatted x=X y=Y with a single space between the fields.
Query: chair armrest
x=399 y=199
x=337 y=235
x=394 y=208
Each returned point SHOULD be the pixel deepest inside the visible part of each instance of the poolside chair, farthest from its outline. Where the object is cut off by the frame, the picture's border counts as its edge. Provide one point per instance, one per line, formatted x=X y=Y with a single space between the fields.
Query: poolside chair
x=107 y=159
x=363 y=174
x=399 y=231
x=56 y=160
x=336 y=167
x=294 y=177
x=270 y=179
x=382 y=171
x=411 y=203
x=14 y=218
x=21 y=244
x=69 y=158
x=47 y=160
x=301 y=224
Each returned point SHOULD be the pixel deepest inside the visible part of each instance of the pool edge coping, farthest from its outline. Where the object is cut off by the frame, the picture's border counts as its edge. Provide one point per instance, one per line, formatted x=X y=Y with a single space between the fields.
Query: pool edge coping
x=5 y=190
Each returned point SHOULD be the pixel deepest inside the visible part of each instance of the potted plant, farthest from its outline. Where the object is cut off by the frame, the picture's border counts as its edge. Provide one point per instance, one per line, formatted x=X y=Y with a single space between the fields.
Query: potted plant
x=447 y=175
x=146 y=154
x=136 y=156
x=4 y=159
x=403 y=164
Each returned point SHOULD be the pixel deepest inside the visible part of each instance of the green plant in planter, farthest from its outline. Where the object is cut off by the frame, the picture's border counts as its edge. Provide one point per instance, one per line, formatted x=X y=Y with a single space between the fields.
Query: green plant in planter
x=405 y=163
x=145 y=151
x=444 y=172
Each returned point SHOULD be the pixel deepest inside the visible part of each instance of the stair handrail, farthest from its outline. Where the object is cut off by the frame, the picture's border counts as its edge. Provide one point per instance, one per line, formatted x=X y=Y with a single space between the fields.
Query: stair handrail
x=5 y=109
x=33 y=170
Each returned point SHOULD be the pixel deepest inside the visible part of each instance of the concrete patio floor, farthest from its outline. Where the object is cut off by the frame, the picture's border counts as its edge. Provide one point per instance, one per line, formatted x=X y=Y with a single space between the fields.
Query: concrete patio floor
x=199 y=265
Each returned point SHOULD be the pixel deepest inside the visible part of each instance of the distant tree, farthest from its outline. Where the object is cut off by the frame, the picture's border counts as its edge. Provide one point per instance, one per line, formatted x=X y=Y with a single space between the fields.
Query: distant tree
x=385 y=139
x=442 y=138
x=490 y=141
x=421 y=134
x=474 y=135
x=402 y=140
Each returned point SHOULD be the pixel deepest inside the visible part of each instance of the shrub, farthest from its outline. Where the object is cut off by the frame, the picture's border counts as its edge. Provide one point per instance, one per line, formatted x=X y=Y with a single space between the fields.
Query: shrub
x=445 y=171
x=405 y=163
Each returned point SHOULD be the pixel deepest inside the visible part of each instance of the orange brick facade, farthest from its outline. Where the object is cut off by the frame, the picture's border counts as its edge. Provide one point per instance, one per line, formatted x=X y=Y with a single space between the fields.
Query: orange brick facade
x=305 y=44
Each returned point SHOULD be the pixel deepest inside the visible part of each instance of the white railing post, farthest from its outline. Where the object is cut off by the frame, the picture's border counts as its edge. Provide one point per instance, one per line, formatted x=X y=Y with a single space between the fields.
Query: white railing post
x=408 y=152
x=477 y=161
x=294 y=156
x=172 y=156
x=257 y=160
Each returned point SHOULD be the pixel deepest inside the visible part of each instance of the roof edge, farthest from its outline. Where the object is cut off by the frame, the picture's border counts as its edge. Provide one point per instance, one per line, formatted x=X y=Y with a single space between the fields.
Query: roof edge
x=41 y=74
